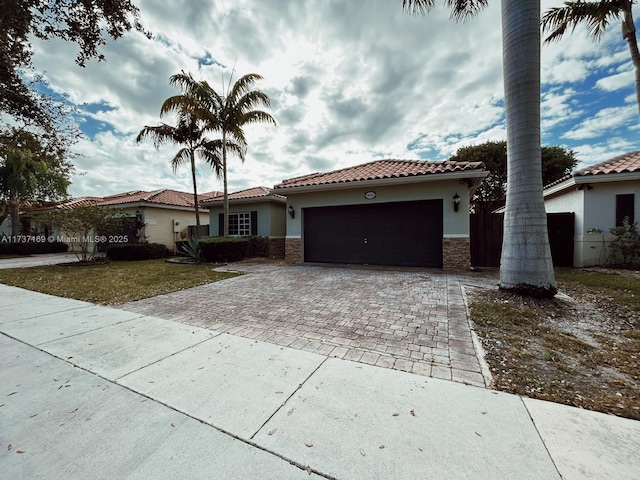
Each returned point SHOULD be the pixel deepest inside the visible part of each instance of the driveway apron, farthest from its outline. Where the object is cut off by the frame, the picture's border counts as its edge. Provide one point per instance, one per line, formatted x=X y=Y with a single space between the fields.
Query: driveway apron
x=411 y=320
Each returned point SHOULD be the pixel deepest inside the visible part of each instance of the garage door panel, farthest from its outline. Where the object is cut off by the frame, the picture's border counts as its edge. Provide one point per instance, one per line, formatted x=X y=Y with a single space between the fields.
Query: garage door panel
x=398 y=233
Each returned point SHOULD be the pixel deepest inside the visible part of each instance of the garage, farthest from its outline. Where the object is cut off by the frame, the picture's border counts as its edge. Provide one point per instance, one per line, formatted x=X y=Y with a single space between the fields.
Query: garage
x=395 y=233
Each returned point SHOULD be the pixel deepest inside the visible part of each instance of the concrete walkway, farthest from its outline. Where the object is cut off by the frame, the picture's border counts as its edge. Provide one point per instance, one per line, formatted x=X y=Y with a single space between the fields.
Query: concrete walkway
x=94 y=392
x=36 y=260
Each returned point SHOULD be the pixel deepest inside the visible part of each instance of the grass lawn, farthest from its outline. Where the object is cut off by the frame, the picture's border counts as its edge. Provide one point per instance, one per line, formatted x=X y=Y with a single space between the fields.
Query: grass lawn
x=112 y=283
x=582 y=351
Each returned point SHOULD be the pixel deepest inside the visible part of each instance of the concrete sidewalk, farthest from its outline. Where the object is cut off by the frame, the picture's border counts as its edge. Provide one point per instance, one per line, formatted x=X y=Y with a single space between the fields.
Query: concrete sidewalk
x=93 y=392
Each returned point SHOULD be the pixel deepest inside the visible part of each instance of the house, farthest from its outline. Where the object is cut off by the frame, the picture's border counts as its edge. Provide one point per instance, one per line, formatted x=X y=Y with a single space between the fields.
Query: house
x=254 y=211
x=600 y=196
x=385 y=212
x=166 y=214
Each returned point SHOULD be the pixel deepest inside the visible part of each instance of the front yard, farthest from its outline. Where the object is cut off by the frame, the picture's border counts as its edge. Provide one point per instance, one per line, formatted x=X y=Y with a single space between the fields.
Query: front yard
x=112 y=283
x=581 y=350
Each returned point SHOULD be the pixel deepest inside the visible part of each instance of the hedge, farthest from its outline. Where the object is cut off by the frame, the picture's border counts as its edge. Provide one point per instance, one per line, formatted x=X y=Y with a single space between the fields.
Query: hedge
x=31 y=248
x=230 y=249
x=137 y=251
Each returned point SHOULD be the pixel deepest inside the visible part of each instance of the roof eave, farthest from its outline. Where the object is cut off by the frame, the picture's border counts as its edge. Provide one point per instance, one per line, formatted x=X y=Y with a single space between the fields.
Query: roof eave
x=584 y=179
x=232 y=201
x=464 y=174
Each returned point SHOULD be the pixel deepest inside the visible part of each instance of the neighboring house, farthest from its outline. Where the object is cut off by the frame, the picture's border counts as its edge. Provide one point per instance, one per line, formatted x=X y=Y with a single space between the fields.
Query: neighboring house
x=255 y=211
x=600 y=196
x=386 y=212
x=166 y=214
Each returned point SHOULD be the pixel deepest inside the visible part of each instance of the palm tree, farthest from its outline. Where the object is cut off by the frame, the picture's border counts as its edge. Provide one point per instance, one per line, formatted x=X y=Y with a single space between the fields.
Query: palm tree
x=228 y=115
x=597 y=16
x=189 y=132
x=526 y=265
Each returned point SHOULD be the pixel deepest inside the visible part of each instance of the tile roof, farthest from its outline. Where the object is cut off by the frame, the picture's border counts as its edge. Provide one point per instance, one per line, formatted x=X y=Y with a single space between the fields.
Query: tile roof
x=625 y=163
x=378 y=170
x=158 y=197
x=255 y=192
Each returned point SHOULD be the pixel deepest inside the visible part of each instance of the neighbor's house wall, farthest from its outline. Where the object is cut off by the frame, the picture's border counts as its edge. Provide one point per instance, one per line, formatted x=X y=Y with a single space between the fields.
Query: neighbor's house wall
x=159 y=223
x=456 y=246
x=594 y=209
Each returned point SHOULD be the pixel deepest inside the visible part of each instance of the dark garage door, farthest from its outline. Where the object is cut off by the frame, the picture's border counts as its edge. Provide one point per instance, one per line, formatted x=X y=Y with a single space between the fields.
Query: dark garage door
x=399 y=233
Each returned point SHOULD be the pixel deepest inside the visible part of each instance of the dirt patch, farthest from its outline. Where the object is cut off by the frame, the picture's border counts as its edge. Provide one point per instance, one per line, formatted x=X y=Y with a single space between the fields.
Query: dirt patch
x=581 y=348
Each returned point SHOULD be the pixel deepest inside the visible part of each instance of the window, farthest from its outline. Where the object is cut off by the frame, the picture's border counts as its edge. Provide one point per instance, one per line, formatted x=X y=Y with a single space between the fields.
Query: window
x=240 y=224
x=624 y=208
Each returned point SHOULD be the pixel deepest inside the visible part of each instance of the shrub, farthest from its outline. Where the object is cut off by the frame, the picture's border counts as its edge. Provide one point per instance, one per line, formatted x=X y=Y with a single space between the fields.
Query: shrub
x=223 y=249
x=228 y=249
x=625 y=247
x=31 y=248
x=137 y=251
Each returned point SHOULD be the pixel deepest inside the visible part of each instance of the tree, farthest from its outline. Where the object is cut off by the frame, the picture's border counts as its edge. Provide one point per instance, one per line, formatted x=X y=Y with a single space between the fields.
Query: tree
x=83 y=226
x=84 y=22
x=29 y=170
x=597 y=15
x=490 y=195
x=228 y=115
x=189 y=131
x=526 y=265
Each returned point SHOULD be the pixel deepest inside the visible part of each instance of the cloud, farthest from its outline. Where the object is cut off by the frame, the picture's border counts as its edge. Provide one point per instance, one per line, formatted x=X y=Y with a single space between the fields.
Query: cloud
x=349 y=82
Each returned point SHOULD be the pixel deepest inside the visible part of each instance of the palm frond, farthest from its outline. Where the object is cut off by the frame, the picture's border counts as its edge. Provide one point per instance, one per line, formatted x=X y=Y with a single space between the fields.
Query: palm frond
x=596 y=15
x=257 y=116
x=160 y=134
x=417 y=7
x=242 y=86
x=183 y=156
x=460 y=9
x=253 y=99
x=464 y=9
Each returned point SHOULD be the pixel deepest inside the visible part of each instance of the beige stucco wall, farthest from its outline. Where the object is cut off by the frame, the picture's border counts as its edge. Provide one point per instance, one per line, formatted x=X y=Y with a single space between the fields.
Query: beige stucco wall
x=159 y=223
x=271 y=217
x=594 y=209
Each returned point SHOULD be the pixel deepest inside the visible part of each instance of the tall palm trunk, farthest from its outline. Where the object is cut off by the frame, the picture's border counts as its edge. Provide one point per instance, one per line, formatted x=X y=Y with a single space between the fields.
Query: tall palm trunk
x=195 y=189
x=225 y=213
x=526 y=264
x=629 y=34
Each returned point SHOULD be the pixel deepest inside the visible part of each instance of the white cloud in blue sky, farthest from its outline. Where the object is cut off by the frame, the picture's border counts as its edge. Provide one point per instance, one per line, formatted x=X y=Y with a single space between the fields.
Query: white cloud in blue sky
x=350 y=82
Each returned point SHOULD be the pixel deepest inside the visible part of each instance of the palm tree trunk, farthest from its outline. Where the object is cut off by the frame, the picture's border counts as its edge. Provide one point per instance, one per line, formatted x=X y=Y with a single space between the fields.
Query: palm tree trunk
x=224 y=180
x=525 y=265
x=195 y=191
x=629 y=34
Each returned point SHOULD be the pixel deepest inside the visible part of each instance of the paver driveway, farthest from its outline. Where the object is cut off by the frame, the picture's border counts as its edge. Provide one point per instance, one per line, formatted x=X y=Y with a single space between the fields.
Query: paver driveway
x=411 y=320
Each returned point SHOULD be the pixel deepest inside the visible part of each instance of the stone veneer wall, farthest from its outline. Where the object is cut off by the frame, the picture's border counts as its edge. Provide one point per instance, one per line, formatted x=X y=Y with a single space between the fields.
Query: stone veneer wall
x=293 y=250
x=456 y=253
x=276 y=248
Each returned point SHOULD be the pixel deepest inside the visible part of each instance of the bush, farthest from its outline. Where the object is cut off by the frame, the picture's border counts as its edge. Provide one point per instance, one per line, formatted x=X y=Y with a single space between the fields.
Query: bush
x=625 y=248
x=137 y=251
x=31 y=248
x=229 y=249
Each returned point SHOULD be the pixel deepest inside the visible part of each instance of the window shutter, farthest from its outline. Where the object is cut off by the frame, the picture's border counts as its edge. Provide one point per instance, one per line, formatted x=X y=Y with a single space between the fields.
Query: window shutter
x=221 y=224
x=254 y=222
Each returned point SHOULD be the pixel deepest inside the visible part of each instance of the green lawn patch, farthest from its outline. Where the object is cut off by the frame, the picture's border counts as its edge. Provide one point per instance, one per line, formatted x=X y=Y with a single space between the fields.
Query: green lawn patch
x=112 y=283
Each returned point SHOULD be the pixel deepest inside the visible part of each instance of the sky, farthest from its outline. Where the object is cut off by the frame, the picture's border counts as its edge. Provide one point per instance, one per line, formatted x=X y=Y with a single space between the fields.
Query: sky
x=349 y=81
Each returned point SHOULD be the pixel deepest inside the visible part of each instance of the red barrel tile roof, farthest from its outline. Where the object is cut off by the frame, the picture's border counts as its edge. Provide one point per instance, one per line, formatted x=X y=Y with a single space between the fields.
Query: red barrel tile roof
x=625 y=163
x=255 y=192
x=378 y=170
